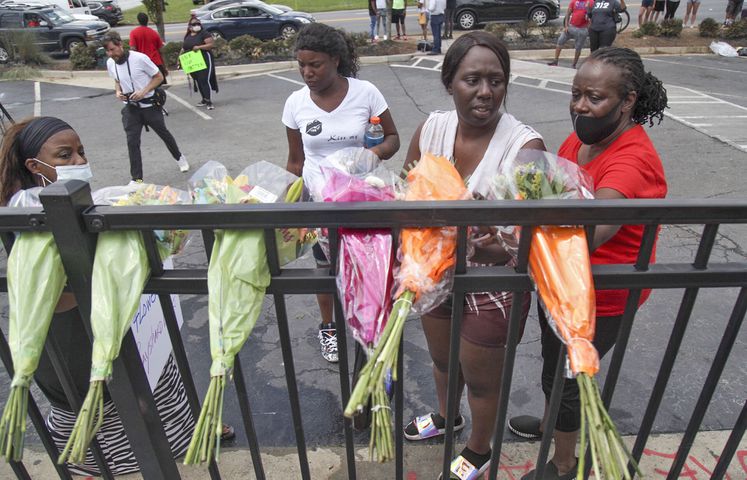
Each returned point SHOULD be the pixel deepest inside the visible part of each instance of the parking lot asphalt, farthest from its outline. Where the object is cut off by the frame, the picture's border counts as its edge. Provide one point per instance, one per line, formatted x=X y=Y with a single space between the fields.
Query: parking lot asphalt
x=246 y=127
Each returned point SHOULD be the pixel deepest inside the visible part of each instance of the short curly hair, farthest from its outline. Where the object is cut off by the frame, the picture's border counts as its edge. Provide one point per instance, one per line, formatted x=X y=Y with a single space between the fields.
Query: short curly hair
x=319 y=37
x=652 y=96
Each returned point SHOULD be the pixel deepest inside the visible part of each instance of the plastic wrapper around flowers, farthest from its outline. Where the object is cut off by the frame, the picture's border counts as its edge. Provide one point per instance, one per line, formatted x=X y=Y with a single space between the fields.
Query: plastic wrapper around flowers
x=560 y=267
x=238 y=275
x=120 y=270
x=35 y=281
x=364 y=275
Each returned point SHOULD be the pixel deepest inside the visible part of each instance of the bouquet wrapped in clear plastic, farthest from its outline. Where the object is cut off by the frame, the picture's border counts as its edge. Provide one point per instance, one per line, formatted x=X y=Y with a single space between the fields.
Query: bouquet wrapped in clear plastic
x=238 y=276
x=34 y=266
x=120 y=270
x=427 y=257
x=560 y=267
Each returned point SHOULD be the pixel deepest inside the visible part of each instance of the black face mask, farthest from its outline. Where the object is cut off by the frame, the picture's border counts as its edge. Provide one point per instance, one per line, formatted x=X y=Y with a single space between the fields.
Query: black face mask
x=591 y=130
x=123 y=59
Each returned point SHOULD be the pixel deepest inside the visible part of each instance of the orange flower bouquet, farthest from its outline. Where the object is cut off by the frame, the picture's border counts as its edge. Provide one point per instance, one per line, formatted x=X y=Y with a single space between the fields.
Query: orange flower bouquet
x=560 y=267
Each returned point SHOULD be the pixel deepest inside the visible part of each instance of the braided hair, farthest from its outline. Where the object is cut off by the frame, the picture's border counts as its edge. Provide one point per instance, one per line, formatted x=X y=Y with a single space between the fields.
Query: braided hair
x=652 y=96
x=319 y=37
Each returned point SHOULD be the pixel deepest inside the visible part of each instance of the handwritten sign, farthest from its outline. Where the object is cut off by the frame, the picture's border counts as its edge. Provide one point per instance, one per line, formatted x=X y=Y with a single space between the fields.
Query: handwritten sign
x=192 y=62
x=151 y=336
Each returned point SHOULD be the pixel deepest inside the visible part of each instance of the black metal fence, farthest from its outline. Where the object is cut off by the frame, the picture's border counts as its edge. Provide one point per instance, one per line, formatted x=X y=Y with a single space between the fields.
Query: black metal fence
x=69 y=214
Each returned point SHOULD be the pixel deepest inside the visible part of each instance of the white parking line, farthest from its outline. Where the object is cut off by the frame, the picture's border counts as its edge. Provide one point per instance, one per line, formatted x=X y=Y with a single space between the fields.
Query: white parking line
x=648 y=59
x=190 y=107
x=280 y=77
x=37 y=99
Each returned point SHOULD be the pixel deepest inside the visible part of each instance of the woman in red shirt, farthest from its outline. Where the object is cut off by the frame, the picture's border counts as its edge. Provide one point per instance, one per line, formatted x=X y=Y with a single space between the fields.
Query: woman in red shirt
x=611 y=99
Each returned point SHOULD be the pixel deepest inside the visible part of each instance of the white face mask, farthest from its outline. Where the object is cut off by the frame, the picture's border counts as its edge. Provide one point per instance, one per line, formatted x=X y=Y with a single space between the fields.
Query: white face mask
x=69 y=172
x=196 y=28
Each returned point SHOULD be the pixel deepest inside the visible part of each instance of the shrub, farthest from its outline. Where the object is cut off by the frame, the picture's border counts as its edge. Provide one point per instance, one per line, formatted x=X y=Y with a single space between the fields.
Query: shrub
x=648 y=29
x=220 y=47
x=524 y=29
x=738 y=29
x=246 y=46
x=671 y=27
x=550 y=32
x=709 y=28
x=498 y=29
x=360 y=39
x=22 y=48
x=18 y=72
x=170 y=53
x=279 y=47
x=83 y=57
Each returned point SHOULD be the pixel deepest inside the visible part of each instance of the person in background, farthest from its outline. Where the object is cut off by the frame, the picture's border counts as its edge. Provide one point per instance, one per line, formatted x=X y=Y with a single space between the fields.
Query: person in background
x=423 y=18
x=671 y=8
x=691 y=13
x=449 y=19
x=612 y=97
x=205 y=81
x=733 y=8
x=32 y=21
x=382 y=19
x=658 y=9
x=645 y=12
x=372 y=16
x=399 y=9
x=145 y=40
x=436 y=8
x=36 y=152
x=575 y=25
x=603 y=29
x=479 y=138
x=330 y=113
x=135 y=78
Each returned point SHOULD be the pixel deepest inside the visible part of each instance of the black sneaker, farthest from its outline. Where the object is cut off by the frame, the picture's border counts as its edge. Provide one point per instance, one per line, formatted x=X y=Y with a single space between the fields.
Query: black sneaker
x=525 y=426
x=328 y=342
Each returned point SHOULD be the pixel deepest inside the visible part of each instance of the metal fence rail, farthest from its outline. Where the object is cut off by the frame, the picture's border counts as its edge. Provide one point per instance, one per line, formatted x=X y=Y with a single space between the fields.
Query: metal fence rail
x=68 y=213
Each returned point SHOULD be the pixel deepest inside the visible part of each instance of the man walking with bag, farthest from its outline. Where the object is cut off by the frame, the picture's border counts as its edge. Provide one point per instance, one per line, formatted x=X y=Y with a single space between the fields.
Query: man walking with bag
x=136 y=78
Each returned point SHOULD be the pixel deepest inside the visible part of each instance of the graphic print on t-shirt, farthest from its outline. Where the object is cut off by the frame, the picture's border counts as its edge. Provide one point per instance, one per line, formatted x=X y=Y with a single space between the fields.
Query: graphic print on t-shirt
x=314 y=128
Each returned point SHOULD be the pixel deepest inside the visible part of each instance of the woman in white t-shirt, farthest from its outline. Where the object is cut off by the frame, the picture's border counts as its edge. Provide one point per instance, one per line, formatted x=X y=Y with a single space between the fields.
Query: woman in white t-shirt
x=330 y=113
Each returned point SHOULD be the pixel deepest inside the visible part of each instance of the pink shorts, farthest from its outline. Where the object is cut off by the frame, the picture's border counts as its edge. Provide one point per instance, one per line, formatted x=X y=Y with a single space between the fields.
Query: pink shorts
x=485 y=318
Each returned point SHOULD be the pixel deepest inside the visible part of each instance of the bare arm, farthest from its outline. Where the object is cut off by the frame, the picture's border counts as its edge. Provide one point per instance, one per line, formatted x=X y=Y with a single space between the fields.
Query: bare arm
x=155 y=81
x=296 y=156
x=118 y=91
x=602 y=233
x=487 y=247
x=386 y=149
x=208 y=45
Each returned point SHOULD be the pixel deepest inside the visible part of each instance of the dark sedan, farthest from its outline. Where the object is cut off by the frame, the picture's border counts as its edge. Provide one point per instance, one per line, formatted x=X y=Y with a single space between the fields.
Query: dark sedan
x=471 y=13
x=258 y=20
x=107 y=11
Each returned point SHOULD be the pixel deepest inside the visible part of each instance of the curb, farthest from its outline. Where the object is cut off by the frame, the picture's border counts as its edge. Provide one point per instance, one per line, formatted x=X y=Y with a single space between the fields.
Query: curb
x=230 y=71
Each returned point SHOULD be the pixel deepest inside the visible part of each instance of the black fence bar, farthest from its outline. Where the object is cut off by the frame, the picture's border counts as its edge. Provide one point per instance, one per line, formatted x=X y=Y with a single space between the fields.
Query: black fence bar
x=20 y=470
x=399 y=467
x=292 y=385
x=64 y=202
x=417 y=214
x=36 y=419
x=453 y=396
x=731 y=445
x=74 y=398
x=556 y=397
x=246 y=415
x=719 y=361
x=396 y=215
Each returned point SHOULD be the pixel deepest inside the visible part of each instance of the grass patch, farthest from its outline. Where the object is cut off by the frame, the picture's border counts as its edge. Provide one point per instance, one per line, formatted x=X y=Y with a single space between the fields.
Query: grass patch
x=18 y=72
x=177 y=11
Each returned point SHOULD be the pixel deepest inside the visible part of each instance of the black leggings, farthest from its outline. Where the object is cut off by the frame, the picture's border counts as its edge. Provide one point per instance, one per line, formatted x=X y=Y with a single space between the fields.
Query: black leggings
x=671 y=8
x=602 y=39
x=569 y=416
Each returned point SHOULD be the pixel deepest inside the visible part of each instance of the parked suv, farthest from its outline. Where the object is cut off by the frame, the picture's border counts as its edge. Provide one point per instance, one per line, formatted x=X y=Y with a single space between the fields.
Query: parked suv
x=107 y=11
x=471 y=13
x=54 y=29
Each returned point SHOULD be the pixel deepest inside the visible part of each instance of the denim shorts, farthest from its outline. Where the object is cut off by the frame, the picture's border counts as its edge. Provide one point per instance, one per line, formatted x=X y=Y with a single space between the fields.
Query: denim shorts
x=578 y=35
x=648 y=3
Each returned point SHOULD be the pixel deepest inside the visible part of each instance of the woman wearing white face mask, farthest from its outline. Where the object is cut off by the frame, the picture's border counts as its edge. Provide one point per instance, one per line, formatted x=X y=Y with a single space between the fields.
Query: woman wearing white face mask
x=35 y=153
x=198 y=40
